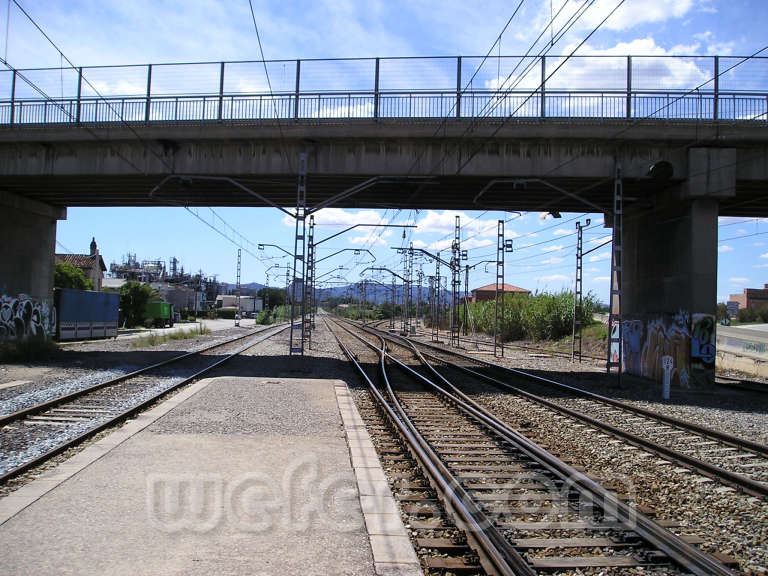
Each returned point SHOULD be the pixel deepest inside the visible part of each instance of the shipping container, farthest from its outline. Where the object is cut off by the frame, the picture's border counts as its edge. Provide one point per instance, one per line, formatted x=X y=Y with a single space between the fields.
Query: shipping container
x=85 y=314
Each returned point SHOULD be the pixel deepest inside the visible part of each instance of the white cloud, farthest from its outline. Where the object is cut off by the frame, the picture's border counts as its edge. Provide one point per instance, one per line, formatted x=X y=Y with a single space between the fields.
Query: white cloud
x=600 y=239
x=555 y=248
x=562 y=232
x=758 y=244
x=724 y=248
x=419 y=244
x=554 y=278
x=593 y=269
x=553 y=260
x=739 y=280
x=764 y=255
x=629 y=14
x=443 y=222
x=341 y=218
x=601 y=279
x=760 y=266
x=600 y=257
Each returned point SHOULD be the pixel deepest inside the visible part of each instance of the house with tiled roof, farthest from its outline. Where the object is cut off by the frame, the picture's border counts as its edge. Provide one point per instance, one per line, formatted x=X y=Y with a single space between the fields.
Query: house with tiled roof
x=92 y=264
x=489 y=292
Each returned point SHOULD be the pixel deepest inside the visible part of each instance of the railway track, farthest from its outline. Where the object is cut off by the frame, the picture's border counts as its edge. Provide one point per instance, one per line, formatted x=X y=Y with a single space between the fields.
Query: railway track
x=522 y=509
x=734 y=461
x=33 y=435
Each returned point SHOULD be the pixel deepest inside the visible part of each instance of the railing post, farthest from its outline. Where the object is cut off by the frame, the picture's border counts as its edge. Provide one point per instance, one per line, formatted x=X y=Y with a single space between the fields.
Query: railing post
x=149 y=93
x=716 y=95
x=543 y=87
x=79 y=93
x=298 y=87
x=629 y=86
x=458 y=87
x=376 y=91
x=13 y=98
x=221 y=91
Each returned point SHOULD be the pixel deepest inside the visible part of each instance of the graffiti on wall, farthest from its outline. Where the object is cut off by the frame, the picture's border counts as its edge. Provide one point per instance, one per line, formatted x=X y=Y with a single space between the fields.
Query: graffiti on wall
x=21 y=318
x=647 y=340
x=703 y=340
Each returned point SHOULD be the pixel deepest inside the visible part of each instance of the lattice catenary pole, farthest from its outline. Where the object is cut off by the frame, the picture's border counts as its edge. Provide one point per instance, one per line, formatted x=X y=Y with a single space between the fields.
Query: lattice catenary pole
x=577 y=292
x=498 y=320
x=617 y=263
x=237 y=286
x=455 y=282
x=298 y=301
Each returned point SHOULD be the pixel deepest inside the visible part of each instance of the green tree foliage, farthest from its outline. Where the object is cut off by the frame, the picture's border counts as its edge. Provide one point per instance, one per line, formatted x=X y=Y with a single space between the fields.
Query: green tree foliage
x=66 y=275
x=276 y=296
x=754 y=314
x=133 y=301
x=722 y=311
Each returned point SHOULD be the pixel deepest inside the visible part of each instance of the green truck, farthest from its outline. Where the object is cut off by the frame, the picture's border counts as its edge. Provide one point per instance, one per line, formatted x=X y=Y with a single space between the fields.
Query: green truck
x=159 y=314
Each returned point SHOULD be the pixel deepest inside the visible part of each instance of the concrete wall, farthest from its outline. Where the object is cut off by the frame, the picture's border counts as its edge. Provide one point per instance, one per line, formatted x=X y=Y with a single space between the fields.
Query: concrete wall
x=670 y=273
x=28 y=238
x=740 y=348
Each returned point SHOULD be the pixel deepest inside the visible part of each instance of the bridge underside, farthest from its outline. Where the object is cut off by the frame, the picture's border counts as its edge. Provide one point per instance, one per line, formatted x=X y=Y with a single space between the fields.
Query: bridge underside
x=439 y=193
x=458 y=165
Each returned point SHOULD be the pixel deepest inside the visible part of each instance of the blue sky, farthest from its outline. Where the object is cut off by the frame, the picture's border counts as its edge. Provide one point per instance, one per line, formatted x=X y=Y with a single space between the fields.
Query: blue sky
x=116 y=32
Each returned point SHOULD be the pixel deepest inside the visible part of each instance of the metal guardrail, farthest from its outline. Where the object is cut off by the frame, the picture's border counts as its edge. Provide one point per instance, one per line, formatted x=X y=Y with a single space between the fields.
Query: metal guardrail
x=609 y=87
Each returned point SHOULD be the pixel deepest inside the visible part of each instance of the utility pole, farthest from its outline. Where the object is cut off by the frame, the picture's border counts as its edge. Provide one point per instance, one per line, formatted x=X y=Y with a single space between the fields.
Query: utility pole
x=455 y=281
x=577 y=291
x=287 y=293
x=436 y=317
x=237 y=288
x=615 y=343
x=502 y=246
x=297 y=334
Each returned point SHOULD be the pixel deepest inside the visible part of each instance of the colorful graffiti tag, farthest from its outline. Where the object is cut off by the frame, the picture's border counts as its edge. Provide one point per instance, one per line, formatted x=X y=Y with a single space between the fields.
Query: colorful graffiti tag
x=689 y=341
x=703 y=340
x=22 y=317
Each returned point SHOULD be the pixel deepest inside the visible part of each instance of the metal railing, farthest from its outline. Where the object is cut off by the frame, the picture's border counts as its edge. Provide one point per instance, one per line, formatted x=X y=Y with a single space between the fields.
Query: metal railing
x=661 y=88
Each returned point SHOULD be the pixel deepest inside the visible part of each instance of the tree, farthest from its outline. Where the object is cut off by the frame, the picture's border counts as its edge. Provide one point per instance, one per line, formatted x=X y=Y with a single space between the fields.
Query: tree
x=276 y=296
x=133 y=302
x=722 y=311
x=66 y=275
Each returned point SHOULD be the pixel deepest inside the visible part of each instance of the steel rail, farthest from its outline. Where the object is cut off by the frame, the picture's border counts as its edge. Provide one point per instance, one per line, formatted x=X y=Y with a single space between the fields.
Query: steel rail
x=725 y=437
x=491 y=545
x=686 y=555
x=24 y=412
x=130 y=411
x=734 y=479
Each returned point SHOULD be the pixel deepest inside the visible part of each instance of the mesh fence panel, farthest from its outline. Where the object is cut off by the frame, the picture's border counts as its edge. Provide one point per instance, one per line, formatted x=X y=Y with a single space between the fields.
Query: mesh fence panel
x=750 y=75
x=53 y=82
x=414 y=74
x=172 y=79
x=123 y=81
x=338 y=75
x=659 y=73
x=249 y=77
x=593 y=73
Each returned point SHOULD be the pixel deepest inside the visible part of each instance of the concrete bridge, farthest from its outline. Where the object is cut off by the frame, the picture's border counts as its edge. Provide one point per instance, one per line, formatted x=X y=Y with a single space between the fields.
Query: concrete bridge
x=544 y=138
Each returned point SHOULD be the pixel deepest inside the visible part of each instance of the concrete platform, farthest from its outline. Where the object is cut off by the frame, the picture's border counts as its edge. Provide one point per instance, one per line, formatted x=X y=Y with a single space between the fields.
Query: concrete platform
x=234 y=475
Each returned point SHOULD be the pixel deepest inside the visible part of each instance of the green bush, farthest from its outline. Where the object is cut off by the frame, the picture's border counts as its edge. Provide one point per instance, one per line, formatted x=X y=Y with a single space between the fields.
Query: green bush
x=226 y=313
x=540 y=316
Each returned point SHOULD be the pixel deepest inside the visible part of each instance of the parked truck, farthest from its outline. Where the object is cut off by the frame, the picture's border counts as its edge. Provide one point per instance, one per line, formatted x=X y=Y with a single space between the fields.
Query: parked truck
x=159 y=314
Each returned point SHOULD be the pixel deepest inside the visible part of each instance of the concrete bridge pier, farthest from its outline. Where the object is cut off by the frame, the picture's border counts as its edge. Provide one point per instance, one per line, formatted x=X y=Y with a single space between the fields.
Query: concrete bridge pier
x=28 y=238
x=669 y=294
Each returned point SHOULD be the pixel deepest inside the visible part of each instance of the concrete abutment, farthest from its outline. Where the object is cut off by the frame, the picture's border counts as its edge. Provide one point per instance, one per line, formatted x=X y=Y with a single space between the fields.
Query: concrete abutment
x=669 y=293
x=28 y=237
